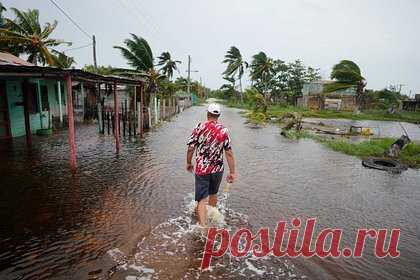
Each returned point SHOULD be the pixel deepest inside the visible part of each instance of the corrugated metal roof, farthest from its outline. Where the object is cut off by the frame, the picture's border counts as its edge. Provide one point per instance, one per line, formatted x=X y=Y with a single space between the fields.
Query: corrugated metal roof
x=51 y=72
x=10 y=59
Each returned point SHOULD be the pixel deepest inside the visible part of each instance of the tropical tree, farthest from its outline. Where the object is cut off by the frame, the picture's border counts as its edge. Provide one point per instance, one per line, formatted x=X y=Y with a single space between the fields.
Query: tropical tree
x=228 y=88
x=24 y=35
x=168 y=65
x=312 y=74
x=262 y=73
x=138 y=53
x=280 y=81
x=101 y=70
x=347 y=74
x=181 y=83
x=297 y=75
x=2 y=9
x=61 y=60
x=235 y=66
x=139 y=56
x=168 y=87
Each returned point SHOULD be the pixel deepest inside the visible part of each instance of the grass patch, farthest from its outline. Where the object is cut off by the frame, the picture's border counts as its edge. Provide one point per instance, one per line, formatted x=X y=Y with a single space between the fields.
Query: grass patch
x=257 y=117
x=277 y=111
x=412 y=117
x=368 y=148
x=409 y=156
x=236 y=104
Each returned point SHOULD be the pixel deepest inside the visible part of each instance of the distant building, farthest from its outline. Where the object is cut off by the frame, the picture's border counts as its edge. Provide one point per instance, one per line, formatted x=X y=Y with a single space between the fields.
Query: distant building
x=411 y=105
x=184 y=99
x=315 y=97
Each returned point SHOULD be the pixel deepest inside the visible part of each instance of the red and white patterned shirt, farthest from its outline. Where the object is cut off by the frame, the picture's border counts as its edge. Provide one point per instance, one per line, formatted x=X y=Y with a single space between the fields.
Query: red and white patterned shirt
x=209 y=139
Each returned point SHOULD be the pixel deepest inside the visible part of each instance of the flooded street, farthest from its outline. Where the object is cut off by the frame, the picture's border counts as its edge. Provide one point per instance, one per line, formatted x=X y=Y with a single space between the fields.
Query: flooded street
x=380 y=129
x=129 y=216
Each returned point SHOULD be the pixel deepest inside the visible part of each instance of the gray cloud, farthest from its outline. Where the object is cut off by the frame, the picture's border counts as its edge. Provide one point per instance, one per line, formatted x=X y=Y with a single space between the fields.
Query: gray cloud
x=379 y=35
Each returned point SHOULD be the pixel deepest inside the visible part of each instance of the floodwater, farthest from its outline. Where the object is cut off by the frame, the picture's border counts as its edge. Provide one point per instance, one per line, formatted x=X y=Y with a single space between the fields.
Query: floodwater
x=129 y=216
x=379 y=128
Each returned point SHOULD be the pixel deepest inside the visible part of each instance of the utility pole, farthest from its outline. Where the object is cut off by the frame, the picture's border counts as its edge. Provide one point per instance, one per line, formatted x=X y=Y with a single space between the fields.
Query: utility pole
x=94 y=52
x=189 y=74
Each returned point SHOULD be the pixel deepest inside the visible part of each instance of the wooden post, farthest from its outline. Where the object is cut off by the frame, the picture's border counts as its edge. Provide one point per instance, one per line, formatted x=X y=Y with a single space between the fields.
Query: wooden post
x=123 y=117
x=141 y=111
x=82 y=96
x=70 y=117
x=133 y=110
x=117 y=119
x=99 y=106
x=60 y=103
x=156 y=109
x=26 y=113
x=164 y=109
x=150 y=117
x=40 y=104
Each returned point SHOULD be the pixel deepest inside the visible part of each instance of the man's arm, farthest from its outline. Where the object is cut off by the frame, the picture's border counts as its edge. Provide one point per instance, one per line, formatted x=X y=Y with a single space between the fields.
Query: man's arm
x=190 y=153
x=231 y=163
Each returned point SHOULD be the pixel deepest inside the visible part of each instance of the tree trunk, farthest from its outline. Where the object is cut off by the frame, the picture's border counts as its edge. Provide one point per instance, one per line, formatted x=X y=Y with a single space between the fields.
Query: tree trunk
x=240 y=88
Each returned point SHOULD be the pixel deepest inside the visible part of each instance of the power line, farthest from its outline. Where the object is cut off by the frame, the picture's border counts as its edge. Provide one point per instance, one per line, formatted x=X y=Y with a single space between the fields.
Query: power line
x=70 y=18
x=151 y=20
x=140 y=20
x=77 y=48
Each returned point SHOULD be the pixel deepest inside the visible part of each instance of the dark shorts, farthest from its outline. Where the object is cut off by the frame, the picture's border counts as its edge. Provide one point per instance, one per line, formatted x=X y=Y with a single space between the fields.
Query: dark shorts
x=206 y=185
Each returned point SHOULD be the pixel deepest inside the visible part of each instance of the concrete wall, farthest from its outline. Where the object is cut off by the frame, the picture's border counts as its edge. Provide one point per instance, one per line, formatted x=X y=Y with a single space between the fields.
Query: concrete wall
x=312 y=88
x=317 y=102
x=313 y=97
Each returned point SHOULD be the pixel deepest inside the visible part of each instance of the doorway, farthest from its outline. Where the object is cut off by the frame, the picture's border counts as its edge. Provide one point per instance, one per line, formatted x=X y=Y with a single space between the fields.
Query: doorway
x=5 y=132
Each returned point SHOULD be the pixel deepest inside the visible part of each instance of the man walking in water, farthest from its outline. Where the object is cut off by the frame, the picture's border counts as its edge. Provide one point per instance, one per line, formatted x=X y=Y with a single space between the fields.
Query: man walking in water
x=209 y=139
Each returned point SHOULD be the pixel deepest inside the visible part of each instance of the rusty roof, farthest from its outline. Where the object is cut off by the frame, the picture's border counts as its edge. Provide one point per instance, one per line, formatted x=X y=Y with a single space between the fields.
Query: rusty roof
x=32 y=71
x=9 y=59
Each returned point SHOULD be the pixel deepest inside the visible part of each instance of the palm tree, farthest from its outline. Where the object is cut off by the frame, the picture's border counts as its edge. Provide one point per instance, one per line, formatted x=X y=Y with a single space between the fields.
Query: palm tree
x=235 y=66
x=63 y=61
x=181 y=83
x=228 y=88
x=168 y=65
x=2 y=9
x=24 y=35
x=139 y=55
x=262 y=69
x=347 y=74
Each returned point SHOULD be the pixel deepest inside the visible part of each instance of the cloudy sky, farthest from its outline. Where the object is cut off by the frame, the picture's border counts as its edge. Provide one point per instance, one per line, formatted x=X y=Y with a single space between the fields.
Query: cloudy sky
x=382 y=36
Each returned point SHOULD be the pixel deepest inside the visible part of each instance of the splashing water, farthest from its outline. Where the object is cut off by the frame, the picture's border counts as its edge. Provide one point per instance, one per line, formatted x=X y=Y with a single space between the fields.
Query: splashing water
x=174 y=249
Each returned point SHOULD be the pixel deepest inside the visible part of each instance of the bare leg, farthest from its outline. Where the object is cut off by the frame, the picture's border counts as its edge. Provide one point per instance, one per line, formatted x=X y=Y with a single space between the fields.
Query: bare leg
x=202 y=212
x=213 y=200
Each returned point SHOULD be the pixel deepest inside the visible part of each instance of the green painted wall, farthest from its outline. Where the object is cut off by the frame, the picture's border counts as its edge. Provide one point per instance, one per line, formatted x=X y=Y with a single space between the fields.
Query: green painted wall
x=17 y=118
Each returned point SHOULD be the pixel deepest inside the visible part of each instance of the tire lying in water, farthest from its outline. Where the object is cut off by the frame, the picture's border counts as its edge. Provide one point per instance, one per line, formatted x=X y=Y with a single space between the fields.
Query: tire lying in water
x=384 y=164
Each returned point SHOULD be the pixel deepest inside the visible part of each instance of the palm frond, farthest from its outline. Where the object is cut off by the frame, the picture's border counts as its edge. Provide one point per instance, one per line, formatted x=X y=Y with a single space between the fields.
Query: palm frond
x=48 y=29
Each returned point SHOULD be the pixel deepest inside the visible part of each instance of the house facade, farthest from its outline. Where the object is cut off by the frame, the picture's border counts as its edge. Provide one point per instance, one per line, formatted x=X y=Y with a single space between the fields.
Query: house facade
x=315 y=97
x=47 y=100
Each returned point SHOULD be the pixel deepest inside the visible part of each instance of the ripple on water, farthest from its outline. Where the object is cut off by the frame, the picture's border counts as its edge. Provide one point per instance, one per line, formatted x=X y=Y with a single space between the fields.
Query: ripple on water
x=174 y=249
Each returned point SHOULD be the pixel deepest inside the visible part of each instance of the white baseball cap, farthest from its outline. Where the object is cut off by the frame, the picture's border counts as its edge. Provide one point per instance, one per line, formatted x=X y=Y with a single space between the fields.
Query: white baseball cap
x=214 y=108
